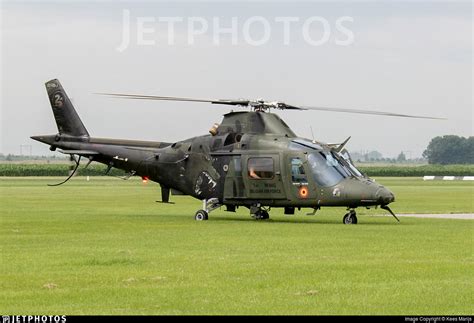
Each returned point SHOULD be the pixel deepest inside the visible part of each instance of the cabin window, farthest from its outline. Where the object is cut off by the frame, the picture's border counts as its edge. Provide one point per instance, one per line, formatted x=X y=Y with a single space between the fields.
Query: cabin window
x=260 y=168
x=237 y=166
x=298 y=174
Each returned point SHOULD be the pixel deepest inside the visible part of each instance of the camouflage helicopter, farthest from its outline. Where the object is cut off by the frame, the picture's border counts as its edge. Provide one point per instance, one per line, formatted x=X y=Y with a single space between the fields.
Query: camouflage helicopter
x=251 y=159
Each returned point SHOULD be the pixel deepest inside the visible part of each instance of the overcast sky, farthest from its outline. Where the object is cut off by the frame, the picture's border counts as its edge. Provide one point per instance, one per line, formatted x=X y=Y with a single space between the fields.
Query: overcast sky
x=401 y=57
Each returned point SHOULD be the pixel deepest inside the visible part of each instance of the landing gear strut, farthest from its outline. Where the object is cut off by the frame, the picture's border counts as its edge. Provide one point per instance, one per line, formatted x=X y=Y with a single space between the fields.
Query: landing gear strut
x=207 y=207
x=350 y=217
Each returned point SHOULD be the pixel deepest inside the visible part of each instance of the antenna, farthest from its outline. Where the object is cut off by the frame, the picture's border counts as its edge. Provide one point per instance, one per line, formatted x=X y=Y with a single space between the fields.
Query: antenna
x=312 y=134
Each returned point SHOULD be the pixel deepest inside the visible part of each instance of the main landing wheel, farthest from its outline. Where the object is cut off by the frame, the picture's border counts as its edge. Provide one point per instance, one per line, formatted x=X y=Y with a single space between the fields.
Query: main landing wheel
x=262 y=215
x=201 y=215
x=350 y=218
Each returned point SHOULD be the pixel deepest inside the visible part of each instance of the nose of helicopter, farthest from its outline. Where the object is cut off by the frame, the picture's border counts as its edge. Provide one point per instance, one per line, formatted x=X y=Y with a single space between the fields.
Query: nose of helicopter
x=366 y=192
x=384 y=196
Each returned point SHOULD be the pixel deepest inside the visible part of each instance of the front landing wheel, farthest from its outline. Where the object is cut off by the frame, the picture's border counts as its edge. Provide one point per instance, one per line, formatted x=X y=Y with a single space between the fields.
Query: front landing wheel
x=350 y=218
x=201 y=215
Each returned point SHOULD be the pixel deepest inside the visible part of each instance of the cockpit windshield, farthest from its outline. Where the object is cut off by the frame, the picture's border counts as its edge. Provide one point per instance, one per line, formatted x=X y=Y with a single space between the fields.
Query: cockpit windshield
x=328 y=166
x=326 y=169
x=348 y=161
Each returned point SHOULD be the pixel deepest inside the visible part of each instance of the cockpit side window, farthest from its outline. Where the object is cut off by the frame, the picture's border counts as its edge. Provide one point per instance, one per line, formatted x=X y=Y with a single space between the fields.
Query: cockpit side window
x=298 y=174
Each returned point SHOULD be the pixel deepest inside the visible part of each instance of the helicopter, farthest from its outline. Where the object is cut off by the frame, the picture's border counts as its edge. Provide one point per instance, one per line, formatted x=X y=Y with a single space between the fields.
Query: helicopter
x=251 y=159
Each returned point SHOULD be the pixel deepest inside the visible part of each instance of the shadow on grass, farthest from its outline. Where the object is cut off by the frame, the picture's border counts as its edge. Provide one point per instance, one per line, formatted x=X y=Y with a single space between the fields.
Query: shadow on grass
x=312 y=221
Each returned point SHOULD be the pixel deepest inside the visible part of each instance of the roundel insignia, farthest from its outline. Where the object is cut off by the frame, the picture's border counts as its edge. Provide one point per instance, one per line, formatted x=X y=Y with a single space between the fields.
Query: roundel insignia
x=303 y=192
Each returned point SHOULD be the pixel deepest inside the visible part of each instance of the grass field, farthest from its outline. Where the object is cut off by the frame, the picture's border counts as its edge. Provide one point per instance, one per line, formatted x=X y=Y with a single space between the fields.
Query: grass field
x=106 y=247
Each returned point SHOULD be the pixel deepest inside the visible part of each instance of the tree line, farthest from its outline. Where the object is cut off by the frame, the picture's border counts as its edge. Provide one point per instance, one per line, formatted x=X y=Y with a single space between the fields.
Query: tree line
x=450 y=149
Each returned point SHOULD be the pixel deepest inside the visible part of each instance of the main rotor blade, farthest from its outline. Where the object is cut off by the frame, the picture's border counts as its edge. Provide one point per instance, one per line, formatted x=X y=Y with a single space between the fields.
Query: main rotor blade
x=372 y=112
x=173 y=98
x=266 y=105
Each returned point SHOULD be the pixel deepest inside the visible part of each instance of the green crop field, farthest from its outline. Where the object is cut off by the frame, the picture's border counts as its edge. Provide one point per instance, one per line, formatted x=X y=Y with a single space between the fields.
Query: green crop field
x=38 y=168
x=105 y=247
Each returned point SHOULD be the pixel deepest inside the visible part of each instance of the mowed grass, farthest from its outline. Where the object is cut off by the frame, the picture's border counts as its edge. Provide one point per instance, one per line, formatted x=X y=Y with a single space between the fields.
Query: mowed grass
x=413 y=195
x=106 y=247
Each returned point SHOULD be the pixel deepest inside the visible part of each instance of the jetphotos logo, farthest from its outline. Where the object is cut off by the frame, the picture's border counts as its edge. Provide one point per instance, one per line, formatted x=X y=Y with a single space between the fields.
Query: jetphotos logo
x=33 y=318
x=254 y=31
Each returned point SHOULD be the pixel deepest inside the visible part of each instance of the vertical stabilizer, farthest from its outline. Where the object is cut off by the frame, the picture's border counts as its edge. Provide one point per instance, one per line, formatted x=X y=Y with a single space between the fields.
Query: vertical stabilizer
x=66 y=117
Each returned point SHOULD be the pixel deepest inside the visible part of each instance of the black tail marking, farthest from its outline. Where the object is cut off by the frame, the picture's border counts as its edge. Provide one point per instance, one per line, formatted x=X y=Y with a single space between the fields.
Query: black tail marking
x=67 y=119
